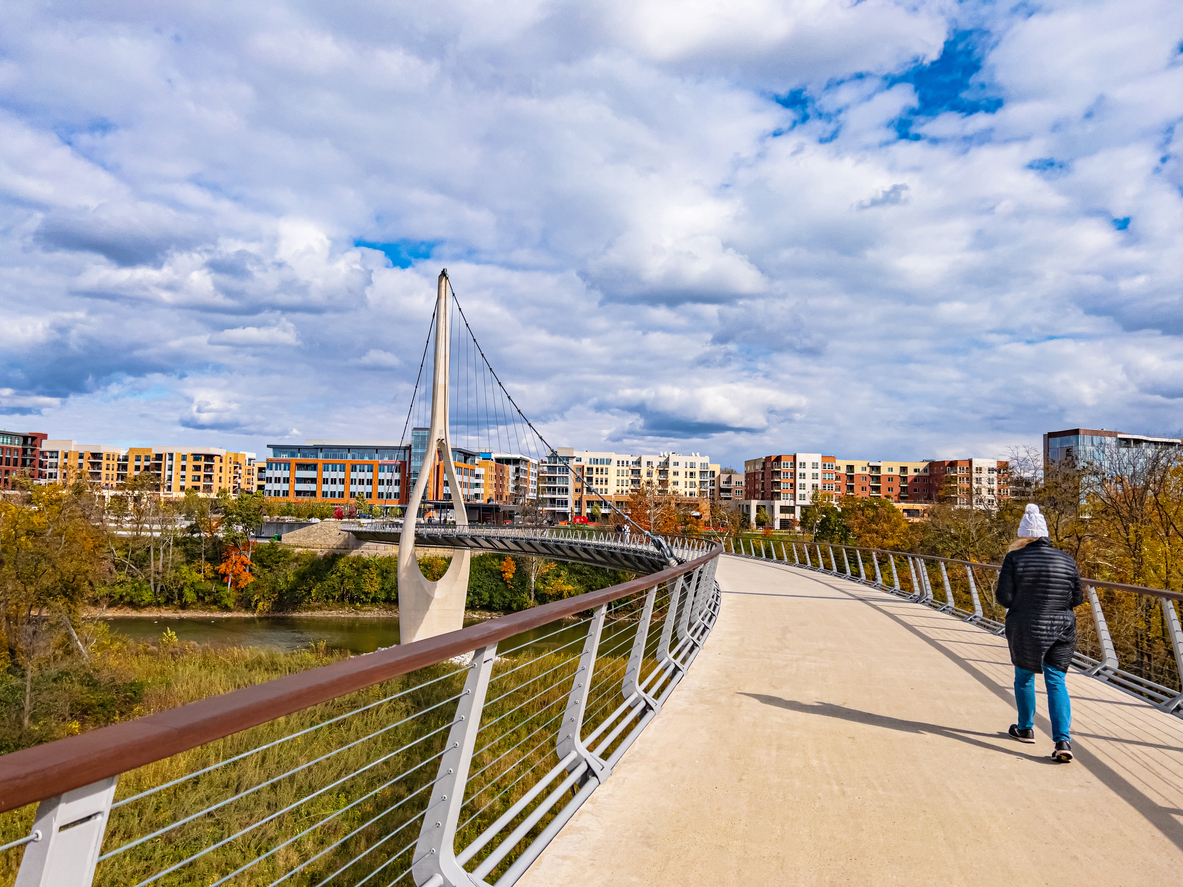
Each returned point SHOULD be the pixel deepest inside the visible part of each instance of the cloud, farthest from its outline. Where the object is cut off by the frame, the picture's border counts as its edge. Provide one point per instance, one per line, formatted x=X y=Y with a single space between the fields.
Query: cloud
x=127 y=236
x=376 y=359
x=749 y=227
x=282 y=333
x=893 y=196
x=14 y=404
x=683 y=412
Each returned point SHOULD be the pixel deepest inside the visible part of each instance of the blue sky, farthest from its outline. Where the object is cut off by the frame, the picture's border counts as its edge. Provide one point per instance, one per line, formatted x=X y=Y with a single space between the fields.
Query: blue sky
x=873 y=229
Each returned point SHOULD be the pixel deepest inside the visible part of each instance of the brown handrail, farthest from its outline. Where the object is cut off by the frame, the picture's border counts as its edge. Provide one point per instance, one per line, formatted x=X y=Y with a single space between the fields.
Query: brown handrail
x=1095 y=583
x=45 y=771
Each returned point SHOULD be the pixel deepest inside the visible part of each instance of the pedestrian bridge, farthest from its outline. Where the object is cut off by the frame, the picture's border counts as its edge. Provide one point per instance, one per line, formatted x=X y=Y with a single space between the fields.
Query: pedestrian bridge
x=731 y=720
x=613 y=551
x=831 y=733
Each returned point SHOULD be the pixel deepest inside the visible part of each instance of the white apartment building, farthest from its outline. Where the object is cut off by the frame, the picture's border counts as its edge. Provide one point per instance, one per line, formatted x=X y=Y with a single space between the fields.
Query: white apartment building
x=572 y=481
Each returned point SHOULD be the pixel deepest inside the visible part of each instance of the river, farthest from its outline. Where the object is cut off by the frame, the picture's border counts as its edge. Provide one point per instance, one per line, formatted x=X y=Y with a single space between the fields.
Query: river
x=355 y=635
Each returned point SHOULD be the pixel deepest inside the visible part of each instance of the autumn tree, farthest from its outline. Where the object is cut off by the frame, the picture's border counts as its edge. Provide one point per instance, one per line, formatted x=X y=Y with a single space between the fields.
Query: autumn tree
x=876 y=523
x=53 y=551
x=508 y=569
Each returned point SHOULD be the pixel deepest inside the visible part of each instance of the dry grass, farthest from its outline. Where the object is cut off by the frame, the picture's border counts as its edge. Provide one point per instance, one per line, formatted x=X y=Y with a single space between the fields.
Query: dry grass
x=348 y=795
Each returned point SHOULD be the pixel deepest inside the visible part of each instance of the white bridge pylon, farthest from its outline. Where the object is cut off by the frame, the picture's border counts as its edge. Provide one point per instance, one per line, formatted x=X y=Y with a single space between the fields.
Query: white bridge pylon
x=426 y=608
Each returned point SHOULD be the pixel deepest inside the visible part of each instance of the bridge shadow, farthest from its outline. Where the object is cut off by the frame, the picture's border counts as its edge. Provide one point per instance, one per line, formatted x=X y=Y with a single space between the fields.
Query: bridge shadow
x=840 y=712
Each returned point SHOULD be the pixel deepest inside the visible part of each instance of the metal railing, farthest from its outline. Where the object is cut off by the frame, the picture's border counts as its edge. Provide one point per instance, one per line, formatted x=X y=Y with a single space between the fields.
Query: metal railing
x=453 y=760
x=967 y=592
x=686 y=545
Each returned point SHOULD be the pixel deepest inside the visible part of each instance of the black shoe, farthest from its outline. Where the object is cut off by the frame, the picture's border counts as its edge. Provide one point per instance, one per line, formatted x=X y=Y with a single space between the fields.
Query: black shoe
x=1027 y=736
x=1063 y=752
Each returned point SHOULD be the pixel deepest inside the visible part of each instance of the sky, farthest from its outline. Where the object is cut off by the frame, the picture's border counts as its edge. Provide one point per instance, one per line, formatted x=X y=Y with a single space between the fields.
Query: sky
x=870 y=229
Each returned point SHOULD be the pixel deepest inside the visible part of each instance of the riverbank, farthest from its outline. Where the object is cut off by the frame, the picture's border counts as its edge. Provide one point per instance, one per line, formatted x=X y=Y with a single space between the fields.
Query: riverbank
x=385 y=611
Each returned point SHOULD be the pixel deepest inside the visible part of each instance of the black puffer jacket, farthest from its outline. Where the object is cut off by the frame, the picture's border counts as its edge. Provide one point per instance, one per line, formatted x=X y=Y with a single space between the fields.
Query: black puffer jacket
x=1039 y=586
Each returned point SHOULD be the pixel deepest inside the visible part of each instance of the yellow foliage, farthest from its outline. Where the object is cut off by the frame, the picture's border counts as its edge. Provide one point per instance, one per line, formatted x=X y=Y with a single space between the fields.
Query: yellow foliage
x=508 y=568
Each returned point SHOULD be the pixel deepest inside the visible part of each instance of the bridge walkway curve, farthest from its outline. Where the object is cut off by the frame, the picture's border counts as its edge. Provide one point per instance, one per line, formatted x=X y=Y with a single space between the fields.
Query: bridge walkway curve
x=830 y=733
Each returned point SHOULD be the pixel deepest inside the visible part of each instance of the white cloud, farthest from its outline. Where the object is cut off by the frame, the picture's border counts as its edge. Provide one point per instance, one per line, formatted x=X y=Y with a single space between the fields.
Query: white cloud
x=282 y=333
x=651 y=248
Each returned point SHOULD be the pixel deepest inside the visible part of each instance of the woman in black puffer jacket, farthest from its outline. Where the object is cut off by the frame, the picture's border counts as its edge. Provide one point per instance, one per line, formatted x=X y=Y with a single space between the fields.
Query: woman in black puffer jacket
x=1040 y=586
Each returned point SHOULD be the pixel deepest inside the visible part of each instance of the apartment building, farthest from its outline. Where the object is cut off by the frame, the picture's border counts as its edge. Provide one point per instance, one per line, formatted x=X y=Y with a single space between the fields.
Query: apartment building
x=1085 y=446
x=20 y=452
x=338 y=471
x=896 y=481
x=176 y=470
x=510 y=478
x=573 y=481
x=785 y=483
x=729 y=486
x=341 y=472
x=972 y=483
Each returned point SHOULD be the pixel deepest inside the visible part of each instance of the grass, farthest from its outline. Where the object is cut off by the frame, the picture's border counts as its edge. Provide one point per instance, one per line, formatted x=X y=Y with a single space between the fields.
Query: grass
x=346 y=798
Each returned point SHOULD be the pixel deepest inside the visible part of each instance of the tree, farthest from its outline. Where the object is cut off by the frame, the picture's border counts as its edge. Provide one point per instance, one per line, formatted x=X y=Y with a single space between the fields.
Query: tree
x=53 y=551
x=508 y=568
x=242 y=517
x=236 y=568
x=823 y=521
x=876 y=523
x=595 y=512
x=204 y=523
x=762 y=518
x=640 y=506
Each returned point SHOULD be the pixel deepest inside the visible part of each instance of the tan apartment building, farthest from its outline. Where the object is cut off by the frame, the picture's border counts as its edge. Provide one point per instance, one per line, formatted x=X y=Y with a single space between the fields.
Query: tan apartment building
x=207 y=470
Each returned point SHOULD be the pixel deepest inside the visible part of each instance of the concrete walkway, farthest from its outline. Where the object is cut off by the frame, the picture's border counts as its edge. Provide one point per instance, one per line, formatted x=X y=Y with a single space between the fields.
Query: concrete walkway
x=830 y=733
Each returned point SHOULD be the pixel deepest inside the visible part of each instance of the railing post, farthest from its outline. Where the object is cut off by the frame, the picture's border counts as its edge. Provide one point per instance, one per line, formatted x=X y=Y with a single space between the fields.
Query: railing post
x=691 y=592
x=833 y=563
x=917 y=588
x=895 y=577
x=436 y=848
x=973 y=591
x=70 y=829
x=1108 y=661
x=633 y=671
x=951 y=604
x=1175 y=633
x=805 y=547
x=796 y=559
x=925 y=578
x=569 y=734
x=703 y=579
x=821 y=559
x=875 y=561
x=846 y=561
x=861 y=572
x=667 y=627
x=784 y=555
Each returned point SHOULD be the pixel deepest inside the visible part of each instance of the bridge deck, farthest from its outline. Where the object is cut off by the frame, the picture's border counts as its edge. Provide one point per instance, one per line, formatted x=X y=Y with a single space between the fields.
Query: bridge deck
x=830 y=733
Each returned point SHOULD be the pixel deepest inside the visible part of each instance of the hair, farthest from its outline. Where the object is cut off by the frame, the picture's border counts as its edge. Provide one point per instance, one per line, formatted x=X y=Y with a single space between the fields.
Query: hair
x=1023 y=542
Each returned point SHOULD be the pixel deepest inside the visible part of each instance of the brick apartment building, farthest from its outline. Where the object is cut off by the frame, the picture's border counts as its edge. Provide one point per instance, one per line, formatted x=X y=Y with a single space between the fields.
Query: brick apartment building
x=784 y=484
x=20 y=451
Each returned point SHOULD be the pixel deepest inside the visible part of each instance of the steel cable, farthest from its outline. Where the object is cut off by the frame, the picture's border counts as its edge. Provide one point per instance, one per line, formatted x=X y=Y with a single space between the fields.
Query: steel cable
x=272 y=816
x=279 y=741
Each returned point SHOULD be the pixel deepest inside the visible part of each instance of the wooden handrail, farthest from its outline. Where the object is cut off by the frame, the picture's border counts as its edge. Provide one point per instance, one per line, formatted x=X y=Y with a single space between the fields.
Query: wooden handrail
x=45 y=771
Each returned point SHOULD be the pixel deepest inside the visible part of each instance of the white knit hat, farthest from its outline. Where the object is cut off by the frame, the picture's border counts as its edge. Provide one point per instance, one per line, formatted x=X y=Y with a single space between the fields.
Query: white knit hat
x=1032 y=525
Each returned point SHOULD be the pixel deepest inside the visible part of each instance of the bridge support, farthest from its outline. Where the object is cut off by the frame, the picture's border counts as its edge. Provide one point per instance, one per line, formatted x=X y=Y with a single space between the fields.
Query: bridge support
x=426 y=608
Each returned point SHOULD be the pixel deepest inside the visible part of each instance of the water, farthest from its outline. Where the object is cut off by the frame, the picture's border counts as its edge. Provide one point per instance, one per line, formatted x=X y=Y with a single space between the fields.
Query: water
x=348 y=633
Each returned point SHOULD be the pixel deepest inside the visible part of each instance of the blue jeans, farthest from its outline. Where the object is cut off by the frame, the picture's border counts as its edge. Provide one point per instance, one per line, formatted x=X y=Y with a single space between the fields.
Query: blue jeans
x=1059 y=706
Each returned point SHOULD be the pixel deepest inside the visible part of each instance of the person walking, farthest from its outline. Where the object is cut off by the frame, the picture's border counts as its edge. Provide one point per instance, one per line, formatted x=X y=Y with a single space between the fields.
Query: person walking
x=1040 y=586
